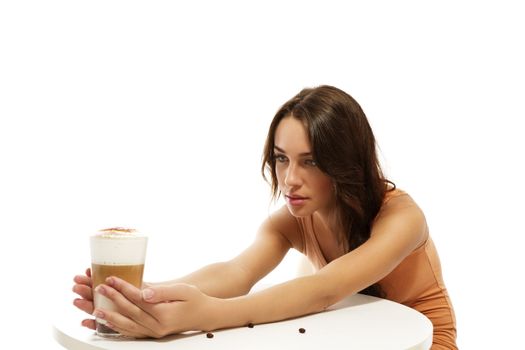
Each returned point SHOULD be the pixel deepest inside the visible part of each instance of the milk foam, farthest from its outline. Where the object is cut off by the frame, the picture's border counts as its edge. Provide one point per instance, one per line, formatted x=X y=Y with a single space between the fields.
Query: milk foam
x=118 y=247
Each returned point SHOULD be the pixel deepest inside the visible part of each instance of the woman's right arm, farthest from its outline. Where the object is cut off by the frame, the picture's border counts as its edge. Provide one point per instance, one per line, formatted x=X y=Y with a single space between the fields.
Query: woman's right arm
x=237 y=276
x=223 y=279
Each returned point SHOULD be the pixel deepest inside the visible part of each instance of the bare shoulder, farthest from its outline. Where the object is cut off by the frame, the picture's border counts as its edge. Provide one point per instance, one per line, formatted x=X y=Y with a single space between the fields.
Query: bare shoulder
x=401 y=214
x=283 y=223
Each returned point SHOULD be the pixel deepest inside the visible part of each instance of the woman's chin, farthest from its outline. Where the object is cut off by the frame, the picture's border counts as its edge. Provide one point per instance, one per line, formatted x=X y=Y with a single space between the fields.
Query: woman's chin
x=299 y=212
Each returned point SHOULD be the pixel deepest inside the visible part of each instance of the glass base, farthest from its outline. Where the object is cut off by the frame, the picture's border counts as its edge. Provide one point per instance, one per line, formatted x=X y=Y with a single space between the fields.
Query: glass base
x=106 y=332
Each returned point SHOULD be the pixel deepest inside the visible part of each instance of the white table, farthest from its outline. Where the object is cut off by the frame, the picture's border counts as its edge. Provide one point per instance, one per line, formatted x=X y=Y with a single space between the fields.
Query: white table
x=357 y=322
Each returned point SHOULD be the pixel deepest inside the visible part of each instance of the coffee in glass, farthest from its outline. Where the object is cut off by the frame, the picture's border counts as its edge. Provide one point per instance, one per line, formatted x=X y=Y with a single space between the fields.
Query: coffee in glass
x=119 y=252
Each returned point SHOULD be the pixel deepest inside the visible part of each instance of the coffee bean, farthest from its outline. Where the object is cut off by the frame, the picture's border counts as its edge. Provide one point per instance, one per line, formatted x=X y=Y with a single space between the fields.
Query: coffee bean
x=250 y=325
x=302 y=330
x=209 y=335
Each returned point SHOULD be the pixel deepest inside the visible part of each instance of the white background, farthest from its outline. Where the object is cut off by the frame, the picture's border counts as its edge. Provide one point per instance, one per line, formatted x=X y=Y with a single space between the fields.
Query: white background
x=153 y=115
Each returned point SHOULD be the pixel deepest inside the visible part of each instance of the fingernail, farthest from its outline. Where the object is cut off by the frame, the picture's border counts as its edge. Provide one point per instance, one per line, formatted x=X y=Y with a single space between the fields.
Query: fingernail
x=98 y=314
x=110 y=281
x=100 y=289
x=147 y=294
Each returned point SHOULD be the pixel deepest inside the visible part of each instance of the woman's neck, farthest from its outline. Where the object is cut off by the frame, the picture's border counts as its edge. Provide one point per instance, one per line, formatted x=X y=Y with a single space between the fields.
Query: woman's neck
x=331 y=221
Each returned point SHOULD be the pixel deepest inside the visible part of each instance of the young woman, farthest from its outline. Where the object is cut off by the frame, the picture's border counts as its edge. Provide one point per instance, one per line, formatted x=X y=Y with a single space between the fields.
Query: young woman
x=359 y=231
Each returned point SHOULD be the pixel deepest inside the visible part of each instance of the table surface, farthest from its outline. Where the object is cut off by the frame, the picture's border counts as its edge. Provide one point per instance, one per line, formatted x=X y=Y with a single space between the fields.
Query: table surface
x=357 y=322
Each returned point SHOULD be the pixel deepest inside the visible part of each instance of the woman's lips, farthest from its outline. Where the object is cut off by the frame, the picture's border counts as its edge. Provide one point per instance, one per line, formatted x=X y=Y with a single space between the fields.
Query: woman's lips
x=295 y=200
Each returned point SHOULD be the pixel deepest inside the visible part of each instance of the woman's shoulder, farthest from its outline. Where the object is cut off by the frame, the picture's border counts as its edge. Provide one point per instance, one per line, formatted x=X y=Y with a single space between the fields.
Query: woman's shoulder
x=397 y=198
x=283 y=222
x=399 y=204
x=400 y=215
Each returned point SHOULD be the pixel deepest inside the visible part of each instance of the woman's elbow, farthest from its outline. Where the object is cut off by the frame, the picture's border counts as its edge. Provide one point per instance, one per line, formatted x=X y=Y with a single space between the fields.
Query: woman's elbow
x=328 y=293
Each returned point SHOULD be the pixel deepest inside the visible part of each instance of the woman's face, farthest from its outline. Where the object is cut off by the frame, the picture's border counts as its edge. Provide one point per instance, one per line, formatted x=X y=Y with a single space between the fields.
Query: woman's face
x=305 y=187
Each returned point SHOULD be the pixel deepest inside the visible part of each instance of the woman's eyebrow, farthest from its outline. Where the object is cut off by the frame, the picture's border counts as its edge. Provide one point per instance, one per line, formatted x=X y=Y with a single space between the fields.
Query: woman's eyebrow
x=304 y=154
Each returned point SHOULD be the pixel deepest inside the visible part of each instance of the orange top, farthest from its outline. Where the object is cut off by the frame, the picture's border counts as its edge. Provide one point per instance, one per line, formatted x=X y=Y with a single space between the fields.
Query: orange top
x=416 y=282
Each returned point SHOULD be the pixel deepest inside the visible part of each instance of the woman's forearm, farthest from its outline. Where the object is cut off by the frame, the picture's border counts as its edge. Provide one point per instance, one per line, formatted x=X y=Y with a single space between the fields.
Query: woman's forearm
x=298 y=297
x=221 y=280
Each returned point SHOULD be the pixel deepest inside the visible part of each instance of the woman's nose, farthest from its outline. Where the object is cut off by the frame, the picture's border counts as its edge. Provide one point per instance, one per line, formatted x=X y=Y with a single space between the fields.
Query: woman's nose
x=292 y=178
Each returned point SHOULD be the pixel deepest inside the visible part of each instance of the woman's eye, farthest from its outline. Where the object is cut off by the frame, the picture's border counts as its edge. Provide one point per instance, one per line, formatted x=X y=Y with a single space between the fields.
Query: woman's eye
x=310 y=162
x=280 y=158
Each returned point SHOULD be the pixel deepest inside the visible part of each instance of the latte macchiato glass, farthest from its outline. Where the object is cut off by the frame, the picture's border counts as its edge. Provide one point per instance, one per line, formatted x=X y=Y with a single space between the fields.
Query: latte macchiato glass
x=119 y=252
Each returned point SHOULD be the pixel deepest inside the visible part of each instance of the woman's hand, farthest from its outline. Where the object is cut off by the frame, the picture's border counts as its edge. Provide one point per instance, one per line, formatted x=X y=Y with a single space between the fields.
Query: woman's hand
x=157 y=310
x=83 y=287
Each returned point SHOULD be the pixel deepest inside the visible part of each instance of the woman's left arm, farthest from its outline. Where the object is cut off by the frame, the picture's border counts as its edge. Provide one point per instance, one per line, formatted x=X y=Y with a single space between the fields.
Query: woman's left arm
x=397 y=231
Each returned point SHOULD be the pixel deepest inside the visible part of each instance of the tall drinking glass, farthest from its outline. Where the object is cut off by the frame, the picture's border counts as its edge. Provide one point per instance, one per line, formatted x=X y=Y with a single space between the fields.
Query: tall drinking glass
x=119 y=252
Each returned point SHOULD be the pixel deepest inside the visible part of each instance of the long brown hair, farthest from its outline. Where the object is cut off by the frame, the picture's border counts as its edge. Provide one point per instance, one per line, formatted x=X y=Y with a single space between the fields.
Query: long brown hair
x=344 y=148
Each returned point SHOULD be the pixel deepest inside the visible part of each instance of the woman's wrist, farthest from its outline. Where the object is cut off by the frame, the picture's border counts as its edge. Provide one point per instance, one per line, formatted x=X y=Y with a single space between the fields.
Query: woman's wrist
x=224 y=313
